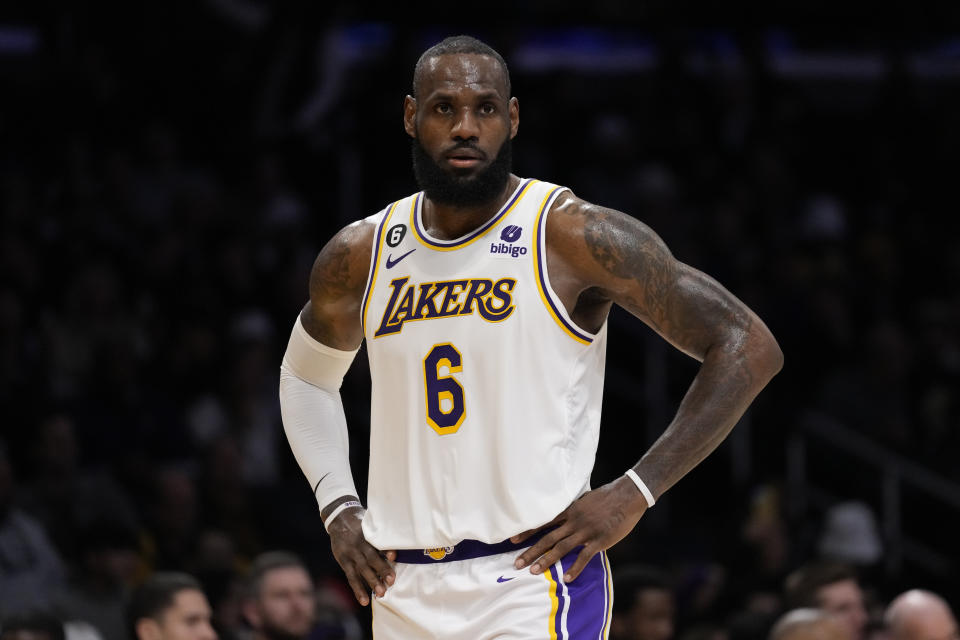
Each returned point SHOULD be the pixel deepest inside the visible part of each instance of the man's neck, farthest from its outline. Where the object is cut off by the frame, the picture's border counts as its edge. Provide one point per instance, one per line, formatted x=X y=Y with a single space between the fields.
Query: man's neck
x=446 y=222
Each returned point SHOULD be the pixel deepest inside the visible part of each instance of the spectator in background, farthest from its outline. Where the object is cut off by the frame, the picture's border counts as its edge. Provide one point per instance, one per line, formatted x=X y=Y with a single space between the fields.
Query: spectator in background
x=809 y=624
x=217 y=564
x=280 y=601
x=170 y=606
x=834 y=589
x=64 y=495
x=644 y=608
x=172 y=517
x=37 y=626
x=31 y=570
x=106 y=567
x=920 y=615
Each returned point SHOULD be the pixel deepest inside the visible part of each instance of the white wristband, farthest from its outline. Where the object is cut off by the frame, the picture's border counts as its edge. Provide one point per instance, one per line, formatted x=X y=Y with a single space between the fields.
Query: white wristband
x=643 y=487
x=340 y=509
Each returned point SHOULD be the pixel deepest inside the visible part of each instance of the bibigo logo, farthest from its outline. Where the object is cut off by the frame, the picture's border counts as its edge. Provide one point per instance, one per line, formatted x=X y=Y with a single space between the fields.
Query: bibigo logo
x=510 y=234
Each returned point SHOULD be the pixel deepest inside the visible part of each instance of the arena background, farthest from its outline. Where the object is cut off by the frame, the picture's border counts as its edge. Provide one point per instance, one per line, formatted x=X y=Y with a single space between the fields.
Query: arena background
x=168 y=172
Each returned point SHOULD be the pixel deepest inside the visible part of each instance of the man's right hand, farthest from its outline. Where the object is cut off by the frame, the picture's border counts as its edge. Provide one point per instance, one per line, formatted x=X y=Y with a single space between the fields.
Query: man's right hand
x=367 y=570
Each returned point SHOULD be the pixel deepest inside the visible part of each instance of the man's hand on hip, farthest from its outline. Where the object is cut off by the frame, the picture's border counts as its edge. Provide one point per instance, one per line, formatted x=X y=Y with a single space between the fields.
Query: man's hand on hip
x=596 y=521
x=367 y=570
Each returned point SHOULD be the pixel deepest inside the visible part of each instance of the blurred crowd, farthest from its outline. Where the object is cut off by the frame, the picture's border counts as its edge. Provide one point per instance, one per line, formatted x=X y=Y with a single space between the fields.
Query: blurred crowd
x=165 y=187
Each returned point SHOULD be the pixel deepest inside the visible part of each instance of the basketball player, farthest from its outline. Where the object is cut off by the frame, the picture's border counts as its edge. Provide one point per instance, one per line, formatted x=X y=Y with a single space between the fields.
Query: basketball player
x=483 y=300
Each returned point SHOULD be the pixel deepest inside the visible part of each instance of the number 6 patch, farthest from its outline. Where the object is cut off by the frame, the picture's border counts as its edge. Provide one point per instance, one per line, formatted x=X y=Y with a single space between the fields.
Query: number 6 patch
x=395 y=234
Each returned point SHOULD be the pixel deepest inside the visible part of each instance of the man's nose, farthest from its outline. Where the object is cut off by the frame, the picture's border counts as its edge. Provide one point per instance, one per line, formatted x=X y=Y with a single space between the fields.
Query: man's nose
x=466 y=126
x=208 y=632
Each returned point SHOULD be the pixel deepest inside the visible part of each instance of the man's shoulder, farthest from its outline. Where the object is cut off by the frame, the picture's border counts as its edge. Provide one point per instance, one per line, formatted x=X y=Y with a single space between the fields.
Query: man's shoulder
x=357 y=234
x=568 y=213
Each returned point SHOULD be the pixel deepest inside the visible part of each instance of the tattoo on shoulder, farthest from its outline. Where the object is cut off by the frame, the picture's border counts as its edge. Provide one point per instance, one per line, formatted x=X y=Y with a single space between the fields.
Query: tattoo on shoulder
x=672 y=297
x=628 y=249
x=623 y=247
x=334 y=273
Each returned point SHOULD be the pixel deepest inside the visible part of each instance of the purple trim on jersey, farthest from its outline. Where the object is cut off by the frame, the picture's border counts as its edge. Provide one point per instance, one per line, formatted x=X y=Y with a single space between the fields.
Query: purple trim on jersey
x=542 y=266
x=374 y=263
x=588 y=598
x=449 y=244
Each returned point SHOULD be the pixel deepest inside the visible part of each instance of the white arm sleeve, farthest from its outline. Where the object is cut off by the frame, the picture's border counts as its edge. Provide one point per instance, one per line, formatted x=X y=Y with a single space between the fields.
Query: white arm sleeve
x=313 y=416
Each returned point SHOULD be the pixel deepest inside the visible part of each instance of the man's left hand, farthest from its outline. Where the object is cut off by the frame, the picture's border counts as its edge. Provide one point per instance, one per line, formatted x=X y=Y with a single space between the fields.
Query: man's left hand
x=596 y=521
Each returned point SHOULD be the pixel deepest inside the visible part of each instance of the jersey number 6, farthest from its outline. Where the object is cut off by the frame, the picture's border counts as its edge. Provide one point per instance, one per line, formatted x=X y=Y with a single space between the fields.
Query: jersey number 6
x=444 y=395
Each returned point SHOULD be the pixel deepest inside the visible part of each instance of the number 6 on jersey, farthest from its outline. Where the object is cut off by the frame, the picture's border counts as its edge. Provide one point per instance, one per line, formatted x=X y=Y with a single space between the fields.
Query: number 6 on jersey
x=444 y=395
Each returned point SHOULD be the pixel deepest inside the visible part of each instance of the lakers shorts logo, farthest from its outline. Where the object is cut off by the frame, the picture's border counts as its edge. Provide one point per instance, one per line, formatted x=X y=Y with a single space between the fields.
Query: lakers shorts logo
x=438 y=553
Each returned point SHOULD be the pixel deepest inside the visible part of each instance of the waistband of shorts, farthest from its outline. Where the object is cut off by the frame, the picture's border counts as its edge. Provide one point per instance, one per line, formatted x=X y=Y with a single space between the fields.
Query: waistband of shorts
x=465 y=550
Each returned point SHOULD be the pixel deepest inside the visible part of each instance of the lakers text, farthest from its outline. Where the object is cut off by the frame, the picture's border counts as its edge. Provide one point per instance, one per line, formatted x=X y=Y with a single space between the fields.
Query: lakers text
x=493 y=300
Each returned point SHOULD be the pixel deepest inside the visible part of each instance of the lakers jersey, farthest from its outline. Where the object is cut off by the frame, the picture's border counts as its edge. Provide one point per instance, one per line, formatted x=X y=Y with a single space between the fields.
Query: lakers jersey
x=485 y=408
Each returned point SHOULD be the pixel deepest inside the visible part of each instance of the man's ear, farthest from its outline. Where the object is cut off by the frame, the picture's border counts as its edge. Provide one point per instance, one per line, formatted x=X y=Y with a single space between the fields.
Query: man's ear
x=514 y=110
x=410 y=116
x=148 y=629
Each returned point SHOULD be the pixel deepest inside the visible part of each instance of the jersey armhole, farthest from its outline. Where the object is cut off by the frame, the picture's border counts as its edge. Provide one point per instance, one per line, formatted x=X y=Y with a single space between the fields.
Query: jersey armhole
x=550 y=299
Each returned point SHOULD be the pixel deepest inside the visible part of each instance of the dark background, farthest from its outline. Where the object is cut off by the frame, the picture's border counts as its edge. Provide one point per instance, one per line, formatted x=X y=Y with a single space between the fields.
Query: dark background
x=169 y=171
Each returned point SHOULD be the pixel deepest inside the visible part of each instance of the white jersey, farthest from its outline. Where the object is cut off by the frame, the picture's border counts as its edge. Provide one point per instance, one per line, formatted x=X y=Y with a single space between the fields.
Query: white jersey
x=485 y=408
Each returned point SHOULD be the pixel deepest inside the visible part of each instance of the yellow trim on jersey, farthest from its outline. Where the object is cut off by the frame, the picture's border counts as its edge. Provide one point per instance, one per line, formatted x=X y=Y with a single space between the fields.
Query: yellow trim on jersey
x=536 y=273
x=609 y=615
x=376 y=267
x=492 y=222
x=554 y=603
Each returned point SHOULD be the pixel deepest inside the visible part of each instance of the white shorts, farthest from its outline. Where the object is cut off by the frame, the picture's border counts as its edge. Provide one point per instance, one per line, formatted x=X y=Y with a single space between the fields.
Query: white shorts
x=481 y=597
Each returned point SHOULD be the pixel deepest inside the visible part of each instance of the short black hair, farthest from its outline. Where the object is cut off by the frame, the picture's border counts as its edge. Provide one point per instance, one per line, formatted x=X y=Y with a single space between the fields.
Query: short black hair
x=265 y=563
x=631 y=580
x=35 y=622
x=801 y=586
x=152 y=598
x=459 y=44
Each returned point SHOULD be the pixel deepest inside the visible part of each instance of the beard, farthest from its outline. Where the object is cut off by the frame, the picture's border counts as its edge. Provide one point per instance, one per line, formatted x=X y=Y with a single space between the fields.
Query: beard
x=444 y=187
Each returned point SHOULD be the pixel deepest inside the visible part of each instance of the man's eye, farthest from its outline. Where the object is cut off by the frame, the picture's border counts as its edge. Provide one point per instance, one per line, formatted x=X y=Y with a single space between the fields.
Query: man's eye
x=487 y=108
x=443 y=107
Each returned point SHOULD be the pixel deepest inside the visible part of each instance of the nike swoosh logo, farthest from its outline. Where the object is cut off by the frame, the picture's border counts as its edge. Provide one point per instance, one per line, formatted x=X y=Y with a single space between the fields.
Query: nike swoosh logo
x=321 y=480
x=502 y=579
x=392 y=263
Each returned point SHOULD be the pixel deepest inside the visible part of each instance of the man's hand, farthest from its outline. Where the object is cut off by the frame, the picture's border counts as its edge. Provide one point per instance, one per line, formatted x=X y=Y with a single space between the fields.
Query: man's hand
x=365 y=567
x=596 y=521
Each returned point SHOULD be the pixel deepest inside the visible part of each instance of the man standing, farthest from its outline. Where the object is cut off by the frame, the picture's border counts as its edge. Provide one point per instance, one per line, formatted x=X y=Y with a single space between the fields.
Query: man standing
x=483 y=300
x=279 y=602
x=920 y=615
x=170 y=606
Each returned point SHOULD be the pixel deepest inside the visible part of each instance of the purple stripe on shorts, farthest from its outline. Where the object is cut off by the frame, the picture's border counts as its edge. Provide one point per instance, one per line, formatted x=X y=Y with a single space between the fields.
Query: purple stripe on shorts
x=588 y=598
x=561 y=603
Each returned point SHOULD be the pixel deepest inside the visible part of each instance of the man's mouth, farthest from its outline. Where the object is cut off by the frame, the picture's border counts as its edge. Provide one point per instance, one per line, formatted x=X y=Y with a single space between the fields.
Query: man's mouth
x=464 y=158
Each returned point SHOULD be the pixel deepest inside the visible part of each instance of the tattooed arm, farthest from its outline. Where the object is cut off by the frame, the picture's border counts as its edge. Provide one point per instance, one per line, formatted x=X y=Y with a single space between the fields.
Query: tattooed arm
x=337 y=281
x=313 y=415
x=597 y=257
